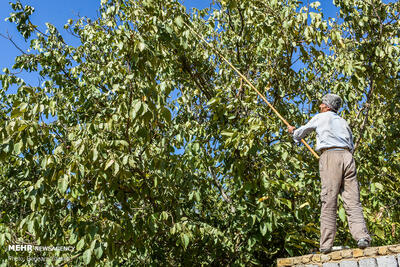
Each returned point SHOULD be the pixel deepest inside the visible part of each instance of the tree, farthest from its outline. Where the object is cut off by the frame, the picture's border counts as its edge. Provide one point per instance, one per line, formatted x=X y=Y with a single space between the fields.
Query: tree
x=141 y=146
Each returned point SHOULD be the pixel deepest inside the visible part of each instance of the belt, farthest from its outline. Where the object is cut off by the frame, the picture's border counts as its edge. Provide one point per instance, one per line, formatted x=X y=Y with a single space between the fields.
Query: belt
x=334 y=147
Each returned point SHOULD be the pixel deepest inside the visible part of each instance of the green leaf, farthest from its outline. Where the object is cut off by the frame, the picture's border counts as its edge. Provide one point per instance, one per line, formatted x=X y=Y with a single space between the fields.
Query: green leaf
x=197 y=195
x=98 y=252
x=73 y=238
x=379 y=186
x=63 y=184
x=286 y=202
x=214 y=100
x=285 y=155
x=227 y=133
x=380 y=232
x=179 y=21
x=136 y=106
x=33 y=204
x=196 y=147
x=87 y=256
x=108 y=164
x=22 y=127
x=81 y=150
x=116 y=168
x=93 y=244
x=131 y=162
x=263 y=228
x=2 y=239
x=95 y=154
x=31 y=226
x=342 y=214
x=185 y=240
x=123 y=143
x=164 y=216
x=141 y=46
x=167 y=114
x=80 y=244
x=17 y=147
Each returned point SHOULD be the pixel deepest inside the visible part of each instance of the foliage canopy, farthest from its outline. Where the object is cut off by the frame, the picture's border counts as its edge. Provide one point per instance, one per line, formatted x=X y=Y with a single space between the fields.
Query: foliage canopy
x=140 y=146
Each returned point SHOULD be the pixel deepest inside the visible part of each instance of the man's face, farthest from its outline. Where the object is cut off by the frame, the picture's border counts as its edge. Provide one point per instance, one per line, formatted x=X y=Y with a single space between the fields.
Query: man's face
x=323 y=108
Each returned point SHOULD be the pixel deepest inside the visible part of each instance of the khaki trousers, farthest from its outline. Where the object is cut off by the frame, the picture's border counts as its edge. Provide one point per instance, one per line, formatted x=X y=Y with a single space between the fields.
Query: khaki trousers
x=338 y=175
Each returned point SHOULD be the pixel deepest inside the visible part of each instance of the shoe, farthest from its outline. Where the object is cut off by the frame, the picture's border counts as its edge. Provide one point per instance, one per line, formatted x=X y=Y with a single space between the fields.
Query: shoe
x=325 y=250
x=363 y=243
x=338 y=248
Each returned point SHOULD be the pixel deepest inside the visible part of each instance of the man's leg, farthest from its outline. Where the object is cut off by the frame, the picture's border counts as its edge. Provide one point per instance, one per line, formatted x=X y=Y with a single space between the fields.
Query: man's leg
x=351 y=200
x=330 y=168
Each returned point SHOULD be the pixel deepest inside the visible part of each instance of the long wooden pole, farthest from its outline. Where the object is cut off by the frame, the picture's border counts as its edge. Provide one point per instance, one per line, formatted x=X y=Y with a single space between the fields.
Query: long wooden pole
x=250 y=84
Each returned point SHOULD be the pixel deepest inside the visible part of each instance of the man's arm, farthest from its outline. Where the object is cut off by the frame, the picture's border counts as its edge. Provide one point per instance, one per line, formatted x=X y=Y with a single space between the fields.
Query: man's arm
x=304 y=130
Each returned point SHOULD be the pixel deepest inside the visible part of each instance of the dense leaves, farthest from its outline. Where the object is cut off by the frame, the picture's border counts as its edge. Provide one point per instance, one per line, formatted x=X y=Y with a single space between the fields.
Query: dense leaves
x=140 y=146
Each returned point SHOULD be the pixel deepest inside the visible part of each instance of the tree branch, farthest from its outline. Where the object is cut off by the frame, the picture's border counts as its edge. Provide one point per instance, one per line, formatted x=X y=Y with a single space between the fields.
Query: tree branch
x=218 y=184
x=196 y=77
x=239 y=93
x=69 y=260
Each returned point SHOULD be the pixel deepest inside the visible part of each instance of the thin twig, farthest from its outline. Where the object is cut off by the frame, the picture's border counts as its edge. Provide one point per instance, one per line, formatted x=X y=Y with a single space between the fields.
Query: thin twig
x=368 y=106
x=8 y=37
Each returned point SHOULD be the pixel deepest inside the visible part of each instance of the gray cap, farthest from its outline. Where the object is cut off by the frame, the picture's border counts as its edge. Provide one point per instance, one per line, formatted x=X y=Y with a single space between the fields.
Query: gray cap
x=333 y=101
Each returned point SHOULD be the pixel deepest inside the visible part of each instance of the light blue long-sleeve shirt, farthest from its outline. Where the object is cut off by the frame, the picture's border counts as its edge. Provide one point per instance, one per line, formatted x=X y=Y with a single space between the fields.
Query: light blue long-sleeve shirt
x=332 y=131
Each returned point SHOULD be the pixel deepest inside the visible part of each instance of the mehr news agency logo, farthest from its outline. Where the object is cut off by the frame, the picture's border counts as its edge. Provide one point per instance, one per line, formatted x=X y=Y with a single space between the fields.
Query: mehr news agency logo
x=31 y=248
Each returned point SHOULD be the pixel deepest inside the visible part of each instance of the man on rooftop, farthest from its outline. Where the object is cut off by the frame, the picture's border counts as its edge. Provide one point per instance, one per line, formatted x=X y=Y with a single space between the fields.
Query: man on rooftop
x=337 y=170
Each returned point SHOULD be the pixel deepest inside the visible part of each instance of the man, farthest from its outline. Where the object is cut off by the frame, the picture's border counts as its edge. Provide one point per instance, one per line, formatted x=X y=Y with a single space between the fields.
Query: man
x=337 y=170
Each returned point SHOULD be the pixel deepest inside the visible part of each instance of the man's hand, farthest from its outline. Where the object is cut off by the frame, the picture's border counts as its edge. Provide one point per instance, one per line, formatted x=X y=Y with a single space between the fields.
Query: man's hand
x=291 y=129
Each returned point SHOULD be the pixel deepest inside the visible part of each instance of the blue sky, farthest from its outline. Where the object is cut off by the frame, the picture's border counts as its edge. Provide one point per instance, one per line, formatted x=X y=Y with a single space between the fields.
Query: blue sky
x=58 y=12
